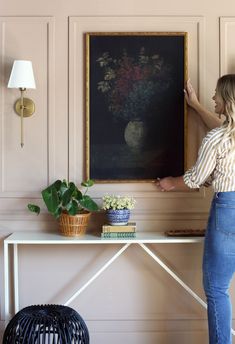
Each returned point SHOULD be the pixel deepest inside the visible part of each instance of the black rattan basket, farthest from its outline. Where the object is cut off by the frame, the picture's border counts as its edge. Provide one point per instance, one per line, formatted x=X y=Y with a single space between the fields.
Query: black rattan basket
x=46 y=324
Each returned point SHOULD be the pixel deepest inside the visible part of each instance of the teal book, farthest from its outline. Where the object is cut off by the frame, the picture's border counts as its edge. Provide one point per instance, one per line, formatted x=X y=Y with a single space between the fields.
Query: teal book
x=118 y=235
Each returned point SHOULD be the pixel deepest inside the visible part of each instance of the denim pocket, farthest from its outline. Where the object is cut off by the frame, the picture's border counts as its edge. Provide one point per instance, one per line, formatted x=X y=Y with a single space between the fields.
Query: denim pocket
x=225 y=218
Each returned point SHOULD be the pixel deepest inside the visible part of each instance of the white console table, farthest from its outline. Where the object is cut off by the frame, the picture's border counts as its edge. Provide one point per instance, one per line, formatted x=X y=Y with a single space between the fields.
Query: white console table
x=38 y=238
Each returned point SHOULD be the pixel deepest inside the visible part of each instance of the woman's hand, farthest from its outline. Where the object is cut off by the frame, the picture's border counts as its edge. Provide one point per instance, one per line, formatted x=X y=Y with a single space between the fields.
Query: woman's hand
x=165 y=184
x=190 y=96
x=171 y=183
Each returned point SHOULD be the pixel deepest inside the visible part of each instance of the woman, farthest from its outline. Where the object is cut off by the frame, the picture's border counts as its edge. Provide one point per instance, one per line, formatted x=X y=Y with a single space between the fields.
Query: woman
x=215 y=165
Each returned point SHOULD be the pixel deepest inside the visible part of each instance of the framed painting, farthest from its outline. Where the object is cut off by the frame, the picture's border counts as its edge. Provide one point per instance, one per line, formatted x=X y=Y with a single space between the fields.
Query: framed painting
x=135 y=106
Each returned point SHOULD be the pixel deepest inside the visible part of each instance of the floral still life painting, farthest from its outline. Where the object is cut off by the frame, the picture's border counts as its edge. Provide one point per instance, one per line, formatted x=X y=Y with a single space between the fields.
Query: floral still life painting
x=130 y=83
x=135 y=105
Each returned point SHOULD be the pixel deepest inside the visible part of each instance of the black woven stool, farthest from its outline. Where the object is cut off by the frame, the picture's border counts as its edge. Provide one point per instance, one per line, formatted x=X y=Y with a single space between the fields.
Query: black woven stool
x=46 y=324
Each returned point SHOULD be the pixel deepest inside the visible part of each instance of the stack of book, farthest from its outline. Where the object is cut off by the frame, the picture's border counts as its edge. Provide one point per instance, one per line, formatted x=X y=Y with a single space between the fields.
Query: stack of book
x=119 y=232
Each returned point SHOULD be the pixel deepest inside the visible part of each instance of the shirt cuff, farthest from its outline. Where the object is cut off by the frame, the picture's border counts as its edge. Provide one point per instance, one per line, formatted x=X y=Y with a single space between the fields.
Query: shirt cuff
x=188 y=180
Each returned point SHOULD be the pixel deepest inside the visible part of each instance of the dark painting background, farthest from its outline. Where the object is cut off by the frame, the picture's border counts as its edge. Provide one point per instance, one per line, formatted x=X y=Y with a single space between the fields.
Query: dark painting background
x=163 y=151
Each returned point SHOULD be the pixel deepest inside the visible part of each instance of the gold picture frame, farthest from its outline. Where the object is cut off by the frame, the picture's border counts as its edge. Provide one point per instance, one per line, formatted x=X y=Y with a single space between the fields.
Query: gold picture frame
x=136 y=114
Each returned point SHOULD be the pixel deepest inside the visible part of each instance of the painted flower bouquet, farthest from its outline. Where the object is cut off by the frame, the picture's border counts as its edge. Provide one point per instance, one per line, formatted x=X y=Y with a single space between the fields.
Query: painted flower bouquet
x=131 y=83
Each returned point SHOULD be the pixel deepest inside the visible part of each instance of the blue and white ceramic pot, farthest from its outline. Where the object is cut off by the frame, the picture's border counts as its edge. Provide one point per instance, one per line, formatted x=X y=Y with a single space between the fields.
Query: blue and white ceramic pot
x=119 y=217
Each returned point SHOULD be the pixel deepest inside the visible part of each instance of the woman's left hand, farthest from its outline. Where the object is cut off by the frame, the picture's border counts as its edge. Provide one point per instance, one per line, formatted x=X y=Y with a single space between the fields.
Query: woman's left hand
x=190 y=96
x=165 y=184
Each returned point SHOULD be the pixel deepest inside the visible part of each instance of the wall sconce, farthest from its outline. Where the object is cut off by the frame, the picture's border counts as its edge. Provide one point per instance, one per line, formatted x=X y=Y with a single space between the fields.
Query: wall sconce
x=22 y=77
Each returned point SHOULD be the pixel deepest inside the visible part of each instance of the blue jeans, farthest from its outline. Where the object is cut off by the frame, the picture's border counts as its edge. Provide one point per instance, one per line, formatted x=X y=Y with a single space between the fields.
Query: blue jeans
x=219 y=266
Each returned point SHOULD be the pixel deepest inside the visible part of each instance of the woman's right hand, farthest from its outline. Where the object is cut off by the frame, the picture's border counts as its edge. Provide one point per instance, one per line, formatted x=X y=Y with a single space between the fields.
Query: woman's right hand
x=190 y=96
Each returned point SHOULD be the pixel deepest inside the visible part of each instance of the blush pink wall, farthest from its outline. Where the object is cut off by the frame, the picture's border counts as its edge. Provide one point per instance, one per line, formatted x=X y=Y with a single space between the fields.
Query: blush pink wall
x=134 y=301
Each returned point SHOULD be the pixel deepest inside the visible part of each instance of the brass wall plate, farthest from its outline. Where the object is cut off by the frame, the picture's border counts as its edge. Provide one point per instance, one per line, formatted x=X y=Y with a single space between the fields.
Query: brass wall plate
x=29 y=107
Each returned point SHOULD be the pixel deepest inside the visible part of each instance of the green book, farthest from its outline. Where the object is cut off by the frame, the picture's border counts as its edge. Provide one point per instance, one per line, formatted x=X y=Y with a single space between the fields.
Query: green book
x=118 y=235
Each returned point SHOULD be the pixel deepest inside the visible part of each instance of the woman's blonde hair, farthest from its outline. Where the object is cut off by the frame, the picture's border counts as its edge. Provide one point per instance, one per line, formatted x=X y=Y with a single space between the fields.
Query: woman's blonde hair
x=226 y=90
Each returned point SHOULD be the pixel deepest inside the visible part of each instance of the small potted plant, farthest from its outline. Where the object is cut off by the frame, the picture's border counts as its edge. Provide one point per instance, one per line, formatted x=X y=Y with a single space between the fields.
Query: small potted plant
x=118 y=209
x=68 y=204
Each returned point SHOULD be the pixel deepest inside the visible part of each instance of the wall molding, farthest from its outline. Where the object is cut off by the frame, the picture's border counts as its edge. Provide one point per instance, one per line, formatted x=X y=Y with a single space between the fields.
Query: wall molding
x=161 y=329
x=44 y=97
x=227 y=33
x=137 y=215
x=78 y=25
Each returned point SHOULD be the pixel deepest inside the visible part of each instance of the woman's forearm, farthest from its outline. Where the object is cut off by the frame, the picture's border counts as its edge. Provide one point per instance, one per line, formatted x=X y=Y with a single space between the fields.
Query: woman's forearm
x=209 y=118
x=179 y=184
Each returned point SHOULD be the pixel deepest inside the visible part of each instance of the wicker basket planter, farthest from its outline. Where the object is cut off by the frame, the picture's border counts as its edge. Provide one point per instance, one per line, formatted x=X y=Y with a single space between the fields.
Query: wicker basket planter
x=74 y=225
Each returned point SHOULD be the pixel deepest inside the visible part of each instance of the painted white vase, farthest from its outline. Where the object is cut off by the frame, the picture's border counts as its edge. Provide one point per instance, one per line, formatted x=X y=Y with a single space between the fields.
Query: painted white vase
x=135 y=134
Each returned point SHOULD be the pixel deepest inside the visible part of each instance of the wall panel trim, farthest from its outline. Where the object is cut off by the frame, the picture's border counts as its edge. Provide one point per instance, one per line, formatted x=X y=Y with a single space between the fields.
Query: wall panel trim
x=44 y=25
x=78 y=25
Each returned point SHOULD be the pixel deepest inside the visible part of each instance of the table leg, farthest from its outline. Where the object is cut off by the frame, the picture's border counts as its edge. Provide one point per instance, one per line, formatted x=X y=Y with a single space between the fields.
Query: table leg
x=16 y=278
x=6 y=281
x=99 y=272
x=170 y=272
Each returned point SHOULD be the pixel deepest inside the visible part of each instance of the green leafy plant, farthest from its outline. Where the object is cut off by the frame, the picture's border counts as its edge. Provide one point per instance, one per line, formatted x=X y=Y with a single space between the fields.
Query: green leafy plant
x=64 y=196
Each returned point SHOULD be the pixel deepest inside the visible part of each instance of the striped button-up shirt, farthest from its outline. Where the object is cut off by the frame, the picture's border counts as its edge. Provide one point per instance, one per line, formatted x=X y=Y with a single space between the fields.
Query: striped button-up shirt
x=215 y=164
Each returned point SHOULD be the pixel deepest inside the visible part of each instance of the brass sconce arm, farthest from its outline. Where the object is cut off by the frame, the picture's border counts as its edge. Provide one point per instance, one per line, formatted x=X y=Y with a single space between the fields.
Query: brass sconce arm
x=24 y=107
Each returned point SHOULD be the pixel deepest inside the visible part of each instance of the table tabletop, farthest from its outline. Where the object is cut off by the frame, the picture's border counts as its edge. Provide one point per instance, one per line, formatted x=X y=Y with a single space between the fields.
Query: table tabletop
x=29 y=237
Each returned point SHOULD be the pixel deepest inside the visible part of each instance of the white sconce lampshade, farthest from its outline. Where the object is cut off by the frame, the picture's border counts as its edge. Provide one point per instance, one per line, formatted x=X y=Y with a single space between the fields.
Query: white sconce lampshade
x=22 y=75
